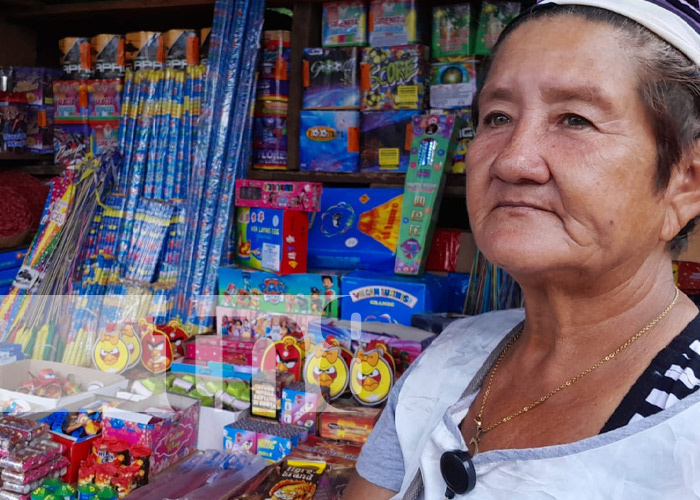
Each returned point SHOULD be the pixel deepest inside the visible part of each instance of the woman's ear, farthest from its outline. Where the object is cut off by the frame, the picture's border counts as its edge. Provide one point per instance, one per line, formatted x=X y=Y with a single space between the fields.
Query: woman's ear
x=683 y=193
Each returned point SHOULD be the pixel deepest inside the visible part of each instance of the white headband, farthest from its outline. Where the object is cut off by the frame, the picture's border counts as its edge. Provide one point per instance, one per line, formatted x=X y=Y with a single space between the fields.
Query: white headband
x=666 y=24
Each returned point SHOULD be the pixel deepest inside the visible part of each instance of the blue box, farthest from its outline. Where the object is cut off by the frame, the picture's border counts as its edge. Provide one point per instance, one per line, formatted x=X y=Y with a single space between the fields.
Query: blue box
x=7 y=276
x=291 y=294
x=389 y=298
x=456 y=285
x=386 y=140
x=12 y=258
x=357 y=228
x=330 y=141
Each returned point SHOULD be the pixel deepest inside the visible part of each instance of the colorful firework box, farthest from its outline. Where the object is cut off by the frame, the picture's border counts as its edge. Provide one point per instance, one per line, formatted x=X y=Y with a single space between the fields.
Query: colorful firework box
x=12 y=259
x=71 y=101
x=225 y=348
x=273 y=70
x=181 y=48
x=309 y=293
x=301 y=405
x=270 y=132
x=272 y=239
x=266 y=438
x=357 y=228
x=453 y=84
x=344 y=23
x=145 y=50
x=105 y=99
x=40 y=129
x=387 y=298
x=394 y=77
x=109 y=54
x=331 y=79
x=71 y=142
x=393 y=23
x=465 y=137
x=385 y=137
x=270 y=159
x=431 y=157
x=286 y=195
x=451 y=31
x=104 y=136
x=495 y=16
x=330 y=141
x=76 y=57
x=36 y=84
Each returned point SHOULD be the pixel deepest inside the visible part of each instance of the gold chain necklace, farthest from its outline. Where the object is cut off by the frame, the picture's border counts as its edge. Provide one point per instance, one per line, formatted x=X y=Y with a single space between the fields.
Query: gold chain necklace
x=480 y=430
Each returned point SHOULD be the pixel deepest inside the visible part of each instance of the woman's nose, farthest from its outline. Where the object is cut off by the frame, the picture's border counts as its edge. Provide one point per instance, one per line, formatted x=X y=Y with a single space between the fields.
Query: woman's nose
x=522 y=159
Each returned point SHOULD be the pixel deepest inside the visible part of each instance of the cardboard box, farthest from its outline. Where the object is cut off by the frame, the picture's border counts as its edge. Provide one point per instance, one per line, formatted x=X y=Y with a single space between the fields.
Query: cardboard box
x=386 y=140
x=12 y=258
x=109 y=54
x=171 y=439
x=104 y=136
x=212 y=419
x=393 y=23
x=227 y=349
x=14 y=375
x=301 y=405
x=36 y=84
x=71 y=101
x=495 y=16
x=289 y=195
x=344 y=23
x=313 y=293
x=272 y=240
x=451 y=30
x=247 y=324
x=394 y=77
x=357 y=228
x=354 y=424
x=105 y=99
x=331 y=78
x=40 y=129
x=466 y=135
x=330 y=141
x=266 y=438
x=71 y=143
x=389 y=298
x=145 y=50
x=452 y=250
x=453 y=84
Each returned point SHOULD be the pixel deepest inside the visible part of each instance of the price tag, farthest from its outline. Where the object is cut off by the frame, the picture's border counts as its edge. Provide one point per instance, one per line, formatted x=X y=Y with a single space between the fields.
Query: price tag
x=407 y=94
x=389 y=157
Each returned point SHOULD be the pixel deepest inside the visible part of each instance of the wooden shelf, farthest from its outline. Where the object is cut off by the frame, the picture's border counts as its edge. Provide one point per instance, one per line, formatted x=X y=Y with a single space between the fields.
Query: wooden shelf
x=17 y=157
x=454 y=187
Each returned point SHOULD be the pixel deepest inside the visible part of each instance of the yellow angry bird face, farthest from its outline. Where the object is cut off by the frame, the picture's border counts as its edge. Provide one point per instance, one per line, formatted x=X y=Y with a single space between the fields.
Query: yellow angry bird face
x=371 y=377
x=111 y=354
x=133 y=344
x=327 y=368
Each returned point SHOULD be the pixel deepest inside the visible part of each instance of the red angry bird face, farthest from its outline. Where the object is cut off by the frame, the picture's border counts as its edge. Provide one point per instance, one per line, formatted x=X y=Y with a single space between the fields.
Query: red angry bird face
x=176 y=335
x=283 y=356
x=157 y=352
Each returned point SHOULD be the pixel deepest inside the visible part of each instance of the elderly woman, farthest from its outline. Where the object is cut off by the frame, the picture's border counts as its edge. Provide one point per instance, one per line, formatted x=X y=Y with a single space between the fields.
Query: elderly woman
x=583 y=177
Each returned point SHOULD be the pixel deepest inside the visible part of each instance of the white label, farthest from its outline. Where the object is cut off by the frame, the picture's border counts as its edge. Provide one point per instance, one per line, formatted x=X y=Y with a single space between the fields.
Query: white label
x=271 y=256
x=458 y=95
x=183 y=384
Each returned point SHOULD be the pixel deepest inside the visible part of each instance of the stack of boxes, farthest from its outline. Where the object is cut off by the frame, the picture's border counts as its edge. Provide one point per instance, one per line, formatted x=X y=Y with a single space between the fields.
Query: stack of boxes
x=36 y=85
x=270 y=121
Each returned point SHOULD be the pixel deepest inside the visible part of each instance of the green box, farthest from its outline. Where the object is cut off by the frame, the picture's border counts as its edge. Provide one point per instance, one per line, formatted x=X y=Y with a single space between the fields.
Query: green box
x=451 y=31
x=434 y=137
x=495 y=16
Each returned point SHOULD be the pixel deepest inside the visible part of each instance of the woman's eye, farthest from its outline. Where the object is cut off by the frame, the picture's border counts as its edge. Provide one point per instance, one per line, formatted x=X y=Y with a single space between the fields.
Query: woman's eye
x=496 y=119
x=575 y=121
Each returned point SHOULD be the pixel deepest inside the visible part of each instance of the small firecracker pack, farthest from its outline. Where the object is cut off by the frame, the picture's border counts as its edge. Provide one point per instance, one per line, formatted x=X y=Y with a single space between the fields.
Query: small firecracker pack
x=357 y=228
x=431 y=156
x=227 y=393
x=71 y=101
x=348 y=422
x=71 y=143
x=40 y=130
x=266 y=392
x=344 y=23
x=104 y=136
x=302 y=403
x=225 y=348
x=272 y=239
x=270 y=132
x=181 y=48
x=330 y=141
x=266 y=438
x=145 y=50
x=35 y=83
x=465 y=136
x=393 y=23
x=386 y=138
x=273 y=69
x=285 y=195
x=331 y=78
x=109 y=54
x=495 y=16
x=314 y=293
x=104 y=99
x=394 y=77
x=386 y=298
x=167 y=424
x=451 y=31
x=453 y=84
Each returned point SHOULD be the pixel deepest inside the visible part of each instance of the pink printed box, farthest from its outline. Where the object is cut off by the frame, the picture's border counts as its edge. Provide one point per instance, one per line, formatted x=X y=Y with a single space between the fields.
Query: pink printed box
x=302 y=196
x=171 y=438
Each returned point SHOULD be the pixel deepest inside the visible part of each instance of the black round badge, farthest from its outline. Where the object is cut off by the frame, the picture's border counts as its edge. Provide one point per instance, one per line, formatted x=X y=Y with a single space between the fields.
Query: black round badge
x=458 y=472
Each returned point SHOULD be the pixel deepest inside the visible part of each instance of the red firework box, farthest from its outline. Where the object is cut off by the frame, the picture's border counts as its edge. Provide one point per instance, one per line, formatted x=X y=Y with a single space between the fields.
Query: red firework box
x=222 y=349
x=167 y=424
x=300 y=196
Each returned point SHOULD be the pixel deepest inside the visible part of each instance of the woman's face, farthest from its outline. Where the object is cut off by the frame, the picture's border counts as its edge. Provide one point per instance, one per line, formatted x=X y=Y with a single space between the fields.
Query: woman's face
x=562 y=170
